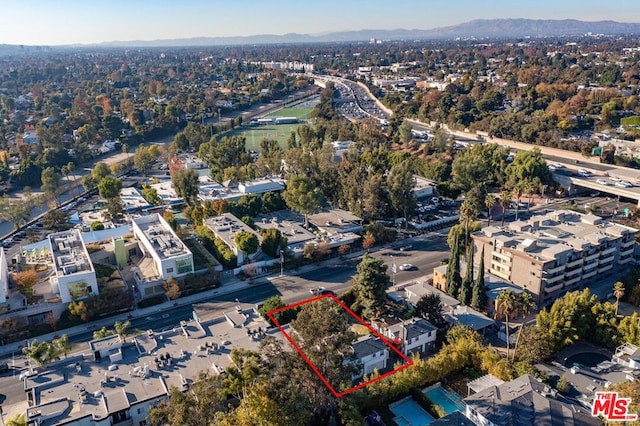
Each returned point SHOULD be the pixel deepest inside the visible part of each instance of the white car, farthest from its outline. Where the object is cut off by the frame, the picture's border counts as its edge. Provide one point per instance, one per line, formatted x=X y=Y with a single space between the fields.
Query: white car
x=602 y=182
x=317 y=290
x=406 y=267
x=624 y=184
x=615 y=179
x=558 y=165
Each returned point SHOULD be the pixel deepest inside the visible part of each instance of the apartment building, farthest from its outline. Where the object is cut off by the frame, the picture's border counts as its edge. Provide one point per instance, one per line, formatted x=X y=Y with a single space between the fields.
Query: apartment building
x=552 y=254
x=74 y=276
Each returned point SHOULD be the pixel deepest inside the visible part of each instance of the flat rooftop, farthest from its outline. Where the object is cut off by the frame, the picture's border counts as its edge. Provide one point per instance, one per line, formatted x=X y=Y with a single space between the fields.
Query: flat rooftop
x=132 y=200
x=152 y=362
x=290 y=229
x=227 y=226
x=336 y=221
x=543 y=237
x=164 y=241
x=69 y=253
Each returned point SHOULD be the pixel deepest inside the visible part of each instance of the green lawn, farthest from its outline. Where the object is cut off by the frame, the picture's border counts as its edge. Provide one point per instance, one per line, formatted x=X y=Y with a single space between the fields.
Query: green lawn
x=255 y=134
x=302 y=113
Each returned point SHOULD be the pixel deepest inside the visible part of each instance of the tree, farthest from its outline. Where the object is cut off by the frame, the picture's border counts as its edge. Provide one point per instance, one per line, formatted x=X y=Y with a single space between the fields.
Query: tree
x=466 y=289
x=618 y=292
x=453 y=280
x=102 y=333
x=109 y=187
x=506 y=304
x=505 y=200
x=144 y=157
x=370 y=284
x=322 y=331
x=42 y=353
x=17 y=420
x=272 y=241
x=171 y=288
x=405 y=132
x=533 y=345
x=273 y=303
x=151 y=195
x=114 y=208
x=185 y=183
x=400 y=183
x=302 y=195
x=16 y=211
x=430 y=307
x=121 y=328
x=479 y=293
x=79 y=309
x=56 y=220
x=62 y=344
x=25 y=279
x=50 y=182
x=468 y=212
x=246 y=242
x=489 y=202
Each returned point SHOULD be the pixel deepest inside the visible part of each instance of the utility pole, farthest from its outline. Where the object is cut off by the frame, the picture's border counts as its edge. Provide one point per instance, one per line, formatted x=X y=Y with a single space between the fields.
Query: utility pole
x=281 y=262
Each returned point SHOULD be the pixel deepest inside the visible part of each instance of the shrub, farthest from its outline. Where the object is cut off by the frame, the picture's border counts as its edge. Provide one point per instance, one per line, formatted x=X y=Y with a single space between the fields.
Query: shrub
x=217 y=247
x=97 y=226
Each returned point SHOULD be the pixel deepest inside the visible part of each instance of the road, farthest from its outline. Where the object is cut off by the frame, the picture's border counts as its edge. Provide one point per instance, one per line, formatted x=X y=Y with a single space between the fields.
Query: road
x=425 y=253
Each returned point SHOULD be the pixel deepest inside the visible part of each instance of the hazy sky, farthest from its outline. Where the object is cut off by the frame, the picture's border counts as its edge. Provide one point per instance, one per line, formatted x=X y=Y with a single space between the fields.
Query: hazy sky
x=51 y=22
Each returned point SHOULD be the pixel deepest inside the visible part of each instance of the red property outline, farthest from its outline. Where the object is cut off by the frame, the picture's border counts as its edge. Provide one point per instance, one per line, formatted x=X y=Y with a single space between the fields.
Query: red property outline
x=409 y=362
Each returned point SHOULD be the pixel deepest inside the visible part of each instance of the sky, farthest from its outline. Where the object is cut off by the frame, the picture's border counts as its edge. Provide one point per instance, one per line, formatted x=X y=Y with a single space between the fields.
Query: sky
x=59 y=22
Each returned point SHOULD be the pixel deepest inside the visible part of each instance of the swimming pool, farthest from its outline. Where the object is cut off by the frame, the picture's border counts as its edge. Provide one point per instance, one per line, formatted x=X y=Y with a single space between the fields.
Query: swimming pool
x=409 y=413
x=449 y=401
x=585 y=359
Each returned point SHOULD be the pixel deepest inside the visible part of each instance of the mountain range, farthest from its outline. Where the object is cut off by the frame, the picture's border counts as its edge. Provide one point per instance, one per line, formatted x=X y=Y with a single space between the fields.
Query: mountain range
x=479 y=29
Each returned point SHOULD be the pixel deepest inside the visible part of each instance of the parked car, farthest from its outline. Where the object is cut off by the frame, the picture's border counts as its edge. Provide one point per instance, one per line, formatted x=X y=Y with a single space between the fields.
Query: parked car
x=317 y=290
x=406 y=267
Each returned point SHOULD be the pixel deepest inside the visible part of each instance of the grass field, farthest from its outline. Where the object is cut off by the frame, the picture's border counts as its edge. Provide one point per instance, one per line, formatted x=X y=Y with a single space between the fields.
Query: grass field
x=255 y=134
x=302 y=113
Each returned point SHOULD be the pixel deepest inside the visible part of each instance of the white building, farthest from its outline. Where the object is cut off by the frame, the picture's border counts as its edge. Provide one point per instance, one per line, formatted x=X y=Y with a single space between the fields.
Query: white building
x=171 y=257
x=226 y=227
x=415 y=335
x=627 y=355
x=372 y=352
x=74 y=277
x=423 y=187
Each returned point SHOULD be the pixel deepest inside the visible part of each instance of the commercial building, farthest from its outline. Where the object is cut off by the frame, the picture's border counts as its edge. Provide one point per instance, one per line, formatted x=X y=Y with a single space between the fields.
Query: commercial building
x=226 y=227
x=169 y=256
x=552 y=254
x=74 y=276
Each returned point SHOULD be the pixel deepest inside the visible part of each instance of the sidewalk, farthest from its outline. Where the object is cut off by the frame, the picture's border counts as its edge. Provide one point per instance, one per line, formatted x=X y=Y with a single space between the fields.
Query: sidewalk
x=230 y=286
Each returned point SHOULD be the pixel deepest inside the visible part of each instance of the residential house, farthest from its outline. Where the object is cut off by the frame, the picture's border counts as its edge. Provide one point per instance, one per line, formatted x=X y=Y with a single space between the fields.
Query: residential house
x=524 y=401
x=372 y=353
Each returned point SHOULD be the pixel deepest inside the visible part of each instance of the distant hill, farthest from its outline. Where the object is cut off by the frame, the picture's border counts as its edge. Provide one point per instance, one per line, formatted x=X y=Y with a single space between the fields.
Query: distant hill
x=479 y=28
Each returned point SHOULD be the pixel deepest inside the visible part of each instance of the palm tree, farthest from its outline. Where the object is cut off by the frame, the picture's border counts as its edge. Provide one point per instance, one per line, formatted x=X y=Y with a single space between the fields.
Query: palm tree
x=468 y=212
x=121 y=329
x=517 y=193
x=489 y=202
x=525 y=304
x=618 y=292
x=506 y=304
x=505 y=199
